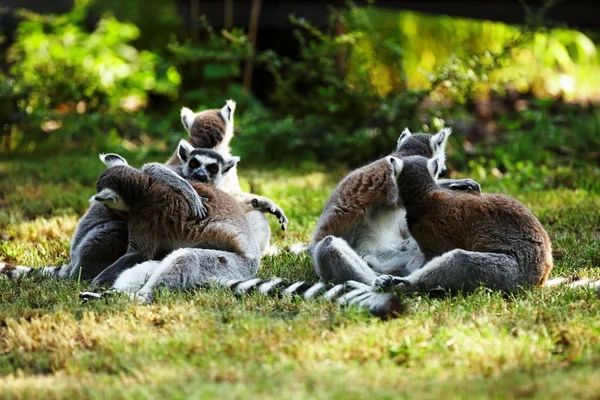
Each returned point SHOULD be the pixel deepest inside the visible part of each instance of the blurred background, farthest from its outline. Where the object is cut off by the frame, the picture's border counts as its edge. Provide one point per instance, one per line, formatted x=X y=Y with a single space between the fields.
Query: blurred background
x=315 y=81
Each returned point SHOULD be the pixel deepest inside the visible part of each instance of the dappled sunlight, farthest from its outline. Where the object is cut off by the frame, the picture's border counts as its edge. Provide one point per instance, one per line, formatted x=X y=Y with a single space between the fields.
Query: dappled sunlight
x=559 y=62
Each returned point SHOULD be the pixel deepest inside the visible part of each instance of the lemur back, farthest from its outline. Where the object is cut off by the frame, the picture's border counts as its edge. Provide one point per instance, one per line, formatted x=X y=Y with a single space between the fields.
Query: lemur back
x=469 y=239
x=220 y=245
x=154 y=208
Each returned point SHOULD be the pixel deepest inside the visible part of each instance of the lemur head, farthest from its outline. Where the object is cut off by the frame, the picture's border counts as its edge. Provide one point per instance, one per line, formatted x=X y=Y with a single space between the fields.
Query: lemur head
x=416 y=169
x=209 y=128
x=421 y=144
x=204 y=165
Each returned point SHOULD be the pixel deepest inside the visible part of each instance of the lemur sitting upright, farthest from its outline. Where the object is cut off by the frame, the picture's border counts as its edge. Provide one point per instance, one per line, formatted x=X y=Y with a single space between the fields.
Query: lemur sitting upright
x=467 y=239
x=214 y=129
x=362 y=230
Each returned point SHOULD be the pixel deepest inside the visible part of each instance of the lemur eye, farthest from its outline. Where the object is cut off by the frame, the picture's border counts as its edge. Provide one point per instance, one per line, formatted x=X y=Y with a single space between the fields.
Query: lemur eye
x=213 y=168
x=194 y=163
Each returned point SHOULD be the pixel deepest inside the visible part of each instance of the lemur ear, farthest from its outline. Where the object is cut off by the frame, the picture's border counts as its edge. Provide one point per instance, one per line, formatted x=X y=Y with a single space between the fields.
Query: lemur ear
x=228 y=110
x=112 y=159
x=434 y=166
x=187 y=118
x=397 y=165
x=403 y=136
x=439 y=140
x=184 y=149
x=230 y=163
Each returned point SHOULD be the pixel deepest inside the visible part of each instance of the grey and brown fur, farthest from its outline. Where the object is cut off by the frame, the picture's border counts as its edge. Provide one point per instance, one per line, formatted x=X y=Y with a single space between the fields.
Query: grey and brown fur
x=101 y=234
x=220 y=246
x=362 y=230
x=214 y=129
x=467 y=239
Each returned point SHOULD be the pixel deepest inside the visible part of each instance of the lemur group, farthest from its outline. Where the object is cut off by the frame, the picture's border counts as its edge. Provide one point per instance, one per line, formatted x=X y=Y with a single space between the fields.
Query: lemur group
x=389 y=227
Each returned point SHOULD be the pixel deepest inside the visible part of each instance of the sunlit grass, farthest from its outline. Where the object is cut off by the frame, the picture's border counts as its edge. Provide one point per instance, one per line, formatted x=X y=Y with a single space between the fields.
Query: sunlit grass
x=207 y=343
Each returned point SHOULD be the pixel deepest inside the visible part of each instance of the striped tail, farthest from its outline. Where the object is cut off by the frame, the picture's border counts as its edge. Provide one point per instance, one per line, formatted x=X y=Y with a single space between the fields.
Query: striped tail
x=573 y=282
x=15 y=271
x=382 y=305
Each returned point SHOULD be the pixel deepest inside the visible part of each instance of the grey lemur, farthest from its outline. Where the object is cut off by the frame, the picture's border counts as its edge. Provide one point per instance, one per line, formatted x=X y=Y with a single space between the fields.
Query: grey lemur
x=214 y=129
x=220 y=246
x=467 y=239
x=362 y=230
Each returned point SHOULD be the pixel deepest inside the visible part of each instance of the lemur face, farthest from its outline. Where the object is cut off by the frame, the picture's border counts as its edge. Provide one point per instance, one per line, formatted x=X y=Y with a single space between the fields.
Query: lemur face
x=203 y=165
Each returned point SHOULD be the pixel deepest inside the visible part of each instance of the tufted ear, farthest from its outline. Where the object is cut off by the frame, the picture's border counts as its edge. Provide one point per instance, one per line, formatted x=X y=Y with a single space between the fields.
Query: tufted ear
x=434 y=166
x=403 y=136
x=228 y=110
x=187 y=118
x=184 y=150
x=397 y=165
x=112 y=159
x=439 y=140
x=230 y=163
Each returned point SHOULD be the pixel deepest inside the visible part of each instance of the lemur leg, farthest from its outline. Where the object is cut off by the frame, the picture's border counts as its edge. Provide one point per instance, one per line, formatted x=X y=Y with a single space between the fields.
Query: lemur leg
x=93 y=252
x=134 y=278
x=403 y=260
x=189 y=268
x=250 y=202
x=335 y=261
x=260 y=229
x=178 y=184
x=465 y=270
x=128 y=260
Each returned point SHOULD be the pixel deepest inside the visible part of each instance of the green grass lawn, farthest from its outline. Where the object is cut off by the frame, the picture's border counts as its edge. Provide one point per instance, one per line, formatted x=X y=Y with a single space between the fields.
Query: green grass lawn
x=204 y=344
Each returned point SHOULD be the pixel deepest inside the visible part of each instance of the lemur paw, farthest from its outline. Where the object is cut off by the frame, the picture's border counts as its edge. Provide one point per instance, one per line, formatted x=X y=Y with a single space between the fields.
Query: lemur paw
x=197 y=208
x=467 y=185
x=281 y=217
x=271 y=208
x=142 y=297
x=386 y=282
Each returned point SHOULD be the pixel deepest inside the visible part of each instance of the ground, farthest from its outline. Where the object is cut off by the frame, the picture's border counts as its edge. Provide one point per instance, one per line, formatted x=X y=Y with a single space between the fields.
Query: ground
x=536 y=343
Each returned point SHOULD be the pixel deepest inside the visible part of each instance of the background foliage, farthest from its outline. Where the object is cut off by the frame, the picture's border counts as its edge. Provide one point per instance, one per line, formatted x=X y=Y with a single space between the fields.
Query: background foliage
x=92 y=80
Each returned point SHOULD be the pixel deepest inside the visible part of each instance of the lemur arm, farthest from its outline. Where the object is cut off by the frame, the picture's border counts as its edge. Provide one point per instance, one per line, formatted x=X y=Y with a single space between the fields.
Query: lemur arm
x=249 y=202
x=467 y=185
x=166 y=175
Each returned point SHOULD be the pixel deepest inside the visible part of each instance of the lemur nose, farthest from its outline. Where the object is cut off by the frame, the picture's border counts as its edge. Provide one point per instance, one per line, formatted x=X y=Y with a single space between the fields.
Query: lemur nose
x=200 y=177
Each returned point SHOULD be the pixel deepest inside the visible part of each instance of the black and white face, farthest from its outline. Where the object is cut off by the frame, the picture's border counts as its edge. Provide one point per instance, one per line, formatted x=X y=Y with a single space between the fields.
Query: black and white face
x=204 y=165
x=203 y=168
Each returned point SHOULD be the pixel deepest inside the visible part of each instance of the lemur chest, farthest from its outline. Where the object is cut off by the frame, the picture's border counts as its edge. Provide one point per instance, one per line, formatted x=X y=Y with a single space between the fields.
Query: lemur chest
x=379 y=232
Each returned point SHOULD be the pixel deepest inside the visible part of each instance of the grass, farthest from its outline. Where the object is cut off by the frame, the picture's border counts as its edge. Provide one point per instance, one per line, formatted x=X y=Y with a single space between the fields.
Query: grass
x=204 y=344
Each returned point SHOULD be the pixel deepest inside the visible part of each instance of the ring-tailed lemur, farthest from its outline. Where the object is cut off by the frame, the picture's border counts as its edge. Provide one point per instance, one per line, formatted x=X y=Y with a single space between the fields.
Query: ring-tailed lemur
x=362 y=230
x=214 y=129
x=220 y=246
x=382 y=305
x=101 y=235
x=467 y=239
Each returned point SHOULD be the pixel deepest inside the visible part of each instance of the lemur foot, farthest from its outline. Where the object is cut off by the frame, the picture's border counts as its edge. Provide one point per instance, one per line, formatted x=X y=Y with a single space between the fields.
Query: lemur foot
x=387 y=282
x=272 y=209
